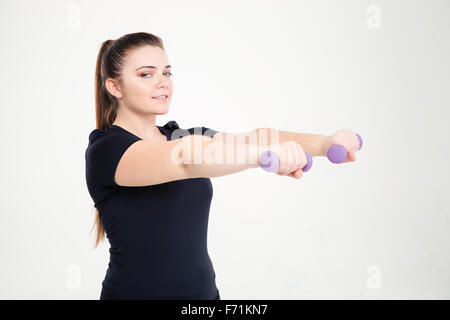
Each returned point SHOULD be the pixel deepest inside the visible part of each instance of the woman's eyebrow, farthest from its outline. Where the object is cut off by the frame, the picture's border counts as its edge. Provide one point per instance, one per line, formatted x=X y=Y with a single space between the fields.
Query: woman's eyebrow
x=168 y=66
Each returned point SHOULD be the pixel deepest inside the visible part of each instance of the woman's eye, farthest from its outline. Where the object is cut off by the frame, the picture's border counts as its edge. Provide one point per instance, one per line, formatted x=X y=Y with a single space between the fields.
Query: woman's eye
x=143 y=75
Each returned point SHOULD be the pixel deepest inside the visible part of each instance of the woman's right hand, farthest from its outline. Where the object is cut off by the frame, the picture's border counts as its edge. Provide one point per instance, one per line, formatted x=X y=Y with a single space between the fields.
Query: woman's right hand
x=292 y=158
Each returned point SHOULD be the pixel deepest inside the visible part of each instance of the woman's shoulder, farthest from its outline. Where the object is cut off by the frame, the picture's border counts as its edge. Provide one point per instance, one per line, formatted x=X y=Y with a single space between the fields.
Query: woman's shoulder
x=107 y=138
x=172 y=125
x=97 y=134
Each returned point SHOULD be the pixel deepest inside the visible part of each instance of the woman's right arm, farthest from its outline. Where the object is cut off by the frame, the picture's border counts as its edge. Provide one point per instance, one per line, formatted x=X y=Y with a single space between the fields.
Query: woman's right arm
x=147 y=163
x=219 y=158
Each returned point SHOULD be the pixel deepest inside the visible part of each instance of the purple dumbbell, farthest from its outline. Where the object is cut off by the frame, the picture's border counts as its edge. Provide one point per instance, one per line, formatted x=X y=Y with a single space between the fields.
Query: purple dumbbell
x=270 y=161
x=337 y=153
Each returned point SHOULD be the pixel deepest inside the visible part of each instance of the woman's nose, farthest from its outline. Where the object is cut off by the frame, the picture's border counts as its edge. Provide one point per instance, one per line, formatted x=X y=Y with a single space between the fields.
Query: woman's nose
x=163 y=81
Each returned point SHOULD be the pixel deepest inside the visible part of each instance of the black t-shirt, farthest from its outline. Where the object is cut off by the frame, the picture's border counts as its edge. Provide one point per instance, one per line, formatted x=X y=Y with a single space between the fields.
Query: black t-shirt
x=158 y=233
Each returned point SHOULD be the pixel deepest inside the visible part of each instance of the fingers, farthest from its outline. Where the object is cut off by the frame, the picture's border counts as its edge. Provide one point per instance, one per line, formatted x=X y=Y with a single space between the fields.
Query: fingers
x=298 y=160
x=347 y=138
x=292 y=159
x=353 y=139
x=297 y=174
x=350 y=157
x=288 y=158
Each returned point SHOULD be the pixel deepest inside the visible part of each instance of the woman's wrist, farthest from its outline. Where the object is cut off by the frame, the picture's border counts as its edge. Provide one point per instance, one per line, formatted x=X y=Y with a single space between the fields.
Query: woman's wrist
x=325 y=145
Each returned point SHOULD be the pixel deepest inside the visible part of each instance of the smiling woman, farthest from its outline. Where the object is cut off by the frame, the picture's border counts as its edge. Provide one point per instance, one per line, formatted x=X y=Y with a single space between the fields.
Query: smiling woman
x=154 y=215
x=143 y=85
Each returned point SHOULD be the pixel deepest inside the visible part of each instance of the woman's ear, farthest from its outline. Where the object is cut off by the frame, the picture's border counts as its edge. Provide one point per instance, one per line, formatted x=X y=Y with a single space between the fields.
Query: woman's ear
x=113 y=87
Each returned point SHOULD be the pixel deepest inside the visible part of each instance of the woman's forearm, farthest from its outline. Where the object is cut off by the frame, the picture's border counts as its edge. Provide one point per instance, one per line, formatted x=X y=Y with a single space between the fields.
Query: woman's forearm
x=205 y=157
x=314 y=144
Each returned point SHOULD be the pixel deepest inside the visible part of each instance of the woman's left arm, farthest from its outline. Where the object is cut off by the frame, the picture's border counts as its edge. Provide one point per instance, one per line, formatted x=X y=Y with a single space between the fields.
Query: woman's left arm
x=314 y=144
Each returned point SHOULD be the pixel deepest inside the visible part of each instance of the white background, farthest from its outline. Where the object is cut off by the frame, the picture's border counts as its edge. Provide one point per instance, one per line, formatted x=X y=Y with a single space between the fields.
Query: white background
x=377 y=228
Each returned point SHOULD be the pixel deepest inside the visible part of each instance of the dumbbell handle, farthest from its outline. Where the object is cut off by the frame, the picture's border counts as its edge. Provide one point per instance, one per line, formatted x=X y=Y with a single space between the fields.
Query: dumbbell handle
x=270 y=161
x=338 y=154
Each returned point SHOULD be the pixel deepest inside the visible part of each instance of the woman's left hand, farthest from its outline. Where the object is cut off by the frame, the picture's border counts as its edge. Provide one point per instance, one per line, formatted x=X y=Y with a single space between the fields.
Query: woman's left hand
x=344 y=137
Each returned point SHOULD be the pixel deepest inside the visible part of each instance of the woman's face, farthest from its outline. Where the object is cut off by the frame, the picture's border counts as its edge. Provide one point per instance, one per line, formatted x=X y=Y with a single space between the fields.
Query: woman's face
x=145 y=75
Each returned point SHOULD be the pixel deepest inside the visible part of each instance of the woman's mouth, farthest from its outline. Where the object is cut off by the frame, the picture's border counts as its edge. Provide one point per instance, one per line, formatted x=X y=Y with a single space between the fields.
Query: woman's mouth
x=161 y=98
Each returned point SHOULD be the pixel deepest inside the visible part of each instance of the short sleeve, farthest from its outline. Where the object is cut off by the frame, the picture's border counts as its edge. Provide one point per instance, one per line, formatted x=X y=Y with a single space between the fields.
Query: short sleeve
x=204 y=131
x=173 y=126
x=102 y=155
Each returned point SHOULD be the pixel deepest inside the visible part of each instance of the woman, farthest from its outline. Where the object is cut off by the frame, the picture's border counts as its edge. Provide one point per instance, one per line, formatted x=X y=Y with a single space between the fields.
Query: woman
x=155 y=210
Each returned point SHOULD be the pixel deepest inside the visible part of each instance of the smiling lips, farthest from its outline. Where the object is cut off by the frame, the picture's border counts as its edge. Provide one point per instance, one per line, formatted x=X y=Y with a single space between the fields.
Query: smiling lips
x=162 y=97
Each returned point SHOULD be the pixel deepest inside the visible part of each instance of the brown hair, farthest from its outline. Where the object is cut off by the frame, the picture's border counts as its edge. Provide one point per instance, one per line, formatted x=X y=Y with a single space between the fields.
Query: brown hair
x=110 y=61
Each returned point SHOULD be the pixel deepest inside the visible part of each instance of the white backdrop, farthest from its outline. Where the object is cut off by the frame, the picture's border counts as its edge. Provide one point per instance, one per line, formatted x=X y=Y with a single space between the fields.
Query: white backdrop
x=377 y=228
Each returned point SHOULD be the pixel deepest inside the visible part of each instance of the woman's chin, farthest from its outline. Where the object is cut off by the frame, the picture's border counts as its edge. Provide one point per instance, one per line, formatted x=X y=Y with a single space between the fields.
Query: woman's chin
x=161 y=110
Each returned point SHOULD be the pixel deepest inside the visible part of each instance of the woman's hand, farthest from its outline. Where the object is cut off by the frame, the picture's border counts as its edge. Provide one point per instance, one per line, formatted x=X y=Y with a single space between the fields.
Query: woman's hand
x=292 y=158
x=344 y=137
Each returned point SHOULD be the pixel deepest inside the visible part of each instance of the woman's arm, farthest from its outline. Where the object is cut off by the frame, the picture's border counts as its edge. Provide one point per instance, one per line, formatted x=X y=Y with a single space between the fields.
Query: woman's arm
x=314 y=144
x=202 y=156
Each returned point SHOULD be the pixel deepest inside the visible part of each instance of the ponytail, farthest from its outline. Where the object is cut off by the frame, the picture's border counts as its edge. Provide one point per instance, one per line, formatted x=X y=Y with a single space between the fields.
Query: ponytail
x=109 y=65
